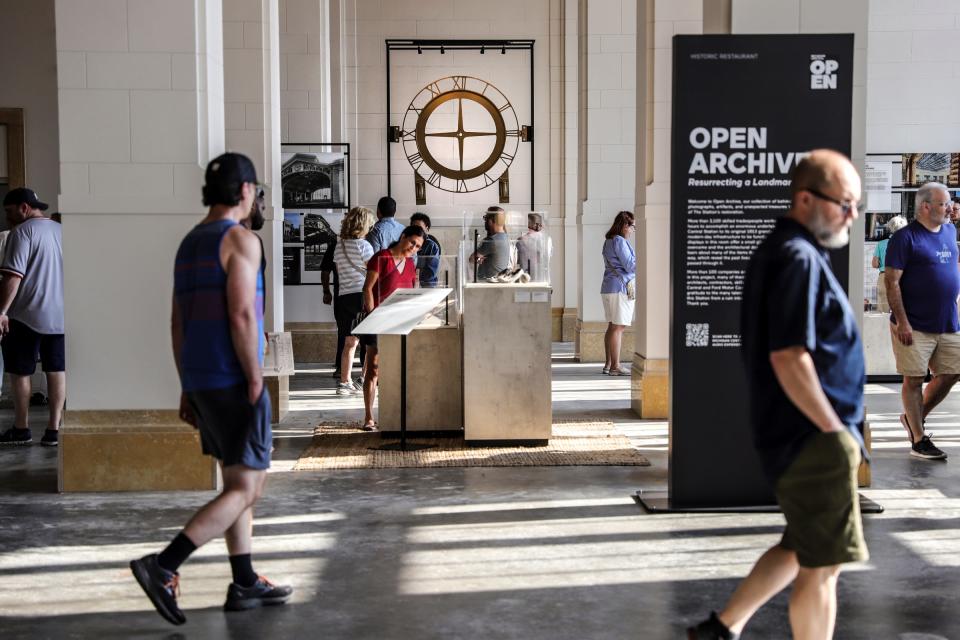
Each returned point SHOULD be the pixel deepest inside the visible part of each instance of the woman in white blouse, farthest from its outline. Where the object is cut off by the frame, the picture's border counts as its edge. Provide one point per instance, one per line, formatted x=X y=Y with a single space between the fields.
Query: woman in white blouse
x=350 y=258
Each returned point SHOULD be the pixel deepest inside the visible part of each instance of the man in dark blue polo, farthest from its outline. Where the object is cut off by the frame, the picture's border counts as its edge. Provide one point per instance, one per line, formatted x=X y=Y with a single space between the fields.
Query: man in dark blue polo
x=805 y=368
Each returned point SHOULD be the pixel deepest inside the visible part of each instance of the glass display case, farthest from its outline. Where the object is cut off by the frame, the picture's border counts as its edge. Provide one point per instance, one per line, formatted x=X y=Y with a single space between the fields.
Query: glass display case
x=442 y=271
x=505 y=247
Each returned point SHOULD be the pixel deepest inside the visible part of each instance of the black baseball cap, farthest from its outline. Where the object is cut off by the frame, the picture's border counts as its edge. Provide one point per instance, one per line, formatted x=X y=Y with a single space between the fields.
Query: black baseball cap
x=22 y=195
x=230 y=169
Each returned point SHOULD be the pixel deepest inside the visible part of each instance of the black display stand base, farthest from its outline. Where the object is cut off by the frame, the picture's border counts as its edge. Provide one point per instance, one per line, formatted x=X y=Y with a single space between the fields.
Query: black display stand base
x=882 y=378
x=402 y=446
x=659 y=502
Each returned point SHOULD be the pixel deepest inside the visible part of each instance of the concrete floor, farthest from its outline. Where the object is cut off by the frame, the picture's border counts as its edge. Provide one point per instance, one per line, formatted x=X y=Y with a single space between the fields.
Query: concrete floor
x=555 y=553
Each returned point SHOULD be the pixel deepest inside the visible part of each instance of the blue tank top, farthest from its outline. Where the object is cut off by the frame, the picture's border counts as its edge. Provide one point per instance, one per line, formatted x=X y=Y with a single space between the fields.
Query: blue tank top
x=208 y=359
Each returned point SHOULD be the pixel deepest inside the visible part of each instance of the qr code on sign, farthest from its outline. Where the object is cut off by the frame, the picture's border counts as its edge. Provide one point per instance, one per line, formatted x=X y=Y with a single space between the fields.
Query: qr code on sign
x=698 y=335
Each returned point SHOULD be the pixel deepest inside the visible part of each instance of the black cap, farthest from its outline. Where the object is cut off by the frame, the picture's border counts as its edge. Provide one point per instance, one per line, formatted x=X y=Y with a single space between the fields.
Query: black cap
x=230 y=169
x=22 y=195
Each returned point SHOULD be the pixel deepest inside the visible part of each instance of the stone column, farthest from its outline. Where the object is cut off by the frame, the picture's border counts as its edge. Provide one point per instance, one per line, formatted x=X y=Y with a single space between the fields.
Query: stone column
x=570 y=170
x=659 y=21
x=607 y=167
x=251 y=79
x=141 y=113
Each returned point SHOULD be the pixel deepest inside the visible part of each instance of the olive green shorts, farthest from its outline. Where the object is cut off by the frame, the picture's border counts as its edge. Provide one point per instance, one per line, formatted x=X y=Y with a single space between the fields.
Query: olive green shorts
x=818 y=496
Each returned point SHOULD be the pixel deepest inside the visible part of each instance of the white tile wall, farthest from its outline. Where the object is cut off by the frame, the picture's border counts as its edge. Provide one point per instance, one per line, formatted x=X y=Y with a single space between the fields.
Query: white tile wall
x=74 y=177
x=131 y=179
x=104 y=25
x=162 y=26
x=94 y=126
x=128 y=70
x=164 y=125
x=766 y=16
x=71 y=70
x=912 y=49
x=184 y=71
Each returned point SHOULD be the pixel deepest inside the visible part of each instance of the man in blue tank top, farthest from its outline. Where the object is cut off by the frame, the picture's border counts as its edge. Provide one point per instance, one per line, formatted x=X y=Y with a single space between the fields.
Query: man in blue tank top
x=217 y=327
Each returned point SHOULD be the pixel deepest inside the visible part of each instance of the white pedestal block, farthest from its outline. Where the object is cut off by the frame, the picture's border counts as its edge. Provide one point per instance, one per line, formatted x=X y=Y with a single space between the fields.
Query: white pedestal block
x=877 y=346
x=434 y=381
x=506 y=363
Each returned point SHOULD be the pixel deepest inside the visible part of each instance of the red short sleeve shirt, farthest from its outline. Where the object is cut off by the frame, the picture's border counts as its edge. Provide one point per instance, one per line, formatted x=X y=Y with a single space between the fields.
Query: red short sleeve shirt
x=389 y=278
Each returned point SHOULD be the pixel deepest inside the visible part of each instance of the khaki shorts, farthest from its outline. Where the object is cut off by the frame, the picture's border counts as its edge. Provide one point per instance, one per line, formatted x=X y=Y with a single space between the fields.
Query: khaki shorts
x=938 y=351
x=818 y=496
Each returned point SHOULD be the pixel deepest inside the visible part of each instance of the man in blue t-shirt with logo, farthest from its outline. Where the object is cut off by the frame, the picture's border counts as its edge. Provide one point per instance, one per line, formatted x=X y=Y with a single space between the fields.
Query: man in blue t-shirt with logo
x=923 y=283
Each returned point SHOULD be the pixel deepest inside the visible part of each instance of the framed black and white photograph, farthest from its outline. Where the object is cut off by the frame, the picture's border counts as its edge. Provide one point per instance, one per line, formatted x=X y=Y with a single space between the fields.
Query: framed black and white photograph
x=315 y=176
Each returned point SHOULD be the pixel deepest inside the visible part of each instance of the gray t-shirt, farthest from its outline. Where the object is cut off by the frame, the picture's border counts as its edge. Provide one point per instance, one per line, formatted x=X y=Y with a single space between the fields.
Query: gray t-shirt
x=34 y=252
x=496 y=250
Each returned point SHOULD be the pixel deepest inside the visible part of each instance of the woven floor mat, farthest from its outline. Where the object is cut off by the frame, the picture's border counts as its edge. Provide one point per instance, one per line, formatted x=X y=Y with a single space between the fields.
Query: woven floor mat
x=344 y=446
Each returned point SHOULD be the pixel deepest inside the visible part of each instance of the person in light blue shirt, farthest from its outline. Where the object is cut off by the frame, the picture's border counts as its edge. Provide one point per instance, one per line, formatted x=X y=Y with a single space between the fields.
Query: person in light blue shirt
x=893 y=225
x=618 y=288
x=387 y=230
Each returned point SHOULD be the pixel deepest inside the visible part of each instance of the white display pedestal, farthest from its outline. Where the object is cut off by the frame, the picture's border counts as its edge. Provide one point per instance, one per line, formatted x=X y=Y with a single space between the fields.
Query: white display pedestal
x=877 y=346
x=398 y=315
x=434 y=379
x=506 y=363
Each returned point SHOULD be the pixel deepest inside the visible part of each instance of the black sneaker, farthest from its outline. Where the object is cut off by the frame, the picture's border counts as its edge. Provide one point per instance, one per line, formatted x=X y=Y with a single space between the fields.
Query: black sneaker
x=927 y=450
x=711 y=629
x=14 y=437
x=50 y=438
x=262 y=593
x=161 y=586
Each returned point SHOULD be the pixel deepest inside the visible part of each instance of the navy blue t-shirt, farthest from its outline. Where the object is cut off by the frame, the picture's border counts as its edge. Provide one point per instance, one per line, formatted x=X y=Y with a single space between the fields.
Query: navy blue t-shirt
x=931 y=281
x=792 y=299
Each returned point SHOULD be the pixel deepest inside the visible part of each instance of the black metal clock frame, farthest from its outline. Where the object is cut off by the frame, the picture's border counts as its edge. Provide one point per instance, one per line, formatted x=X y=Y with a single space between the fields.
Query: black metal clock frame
x=483 y=46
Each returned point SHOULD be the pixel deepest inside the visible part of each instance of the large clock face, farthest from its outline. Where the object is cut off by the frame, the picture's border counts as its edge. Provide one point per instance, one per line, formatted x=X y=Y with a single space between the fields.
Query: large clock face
x=460 y=134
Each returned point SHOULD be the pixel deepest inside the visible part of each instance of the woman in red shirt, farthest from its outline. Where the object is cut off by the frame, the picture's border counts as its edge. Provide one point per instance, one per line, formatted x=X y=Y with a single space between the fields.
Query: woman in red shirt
x=387 y=271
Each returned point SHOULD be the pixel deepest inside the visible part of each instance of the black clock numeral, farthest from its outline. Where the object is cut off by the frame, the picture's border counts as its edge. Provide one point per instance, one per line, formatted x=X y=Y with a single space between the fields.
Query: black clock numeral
x=415 y=160
x=459 y=82
x=506 y=157
x=487 y=180
x=505 y=107
x=461 y=186
x=434 y=179
x=486 y=85
x=408 y=136
x=434 y=89
x=513 y=133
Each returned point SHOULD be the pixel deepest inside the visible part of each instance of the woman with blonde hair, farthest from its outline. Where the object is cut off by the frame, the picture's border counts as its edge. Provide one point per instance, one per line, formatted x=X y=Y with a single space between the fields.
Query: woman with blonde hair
x=350 y=257
x=893 y=225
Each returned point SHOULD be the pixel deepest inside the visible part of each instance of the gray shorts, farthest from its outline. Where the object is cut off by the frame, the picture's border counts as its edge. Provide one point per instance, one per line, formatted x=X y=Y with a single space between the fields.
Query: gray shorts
x=231 y=429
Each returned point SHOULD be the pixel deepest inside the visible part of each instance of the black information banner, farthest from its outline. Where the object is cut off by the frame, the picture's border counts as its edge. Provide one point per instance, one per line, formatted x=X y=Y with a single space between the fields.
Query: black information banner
x=745 y=110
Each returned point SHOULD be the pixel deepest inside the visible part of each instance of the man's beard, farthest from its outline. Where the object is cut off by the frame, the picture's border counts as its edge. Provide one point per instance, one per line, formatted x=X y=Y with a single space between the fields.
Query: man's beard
x=828 y=238
x=256 y=219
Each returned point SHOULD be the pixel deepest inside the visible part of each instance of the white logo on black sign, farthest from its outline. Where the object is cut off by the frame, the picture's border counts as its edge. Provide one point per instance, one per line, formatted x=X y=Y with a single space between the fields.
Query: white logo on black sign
x=823 y=72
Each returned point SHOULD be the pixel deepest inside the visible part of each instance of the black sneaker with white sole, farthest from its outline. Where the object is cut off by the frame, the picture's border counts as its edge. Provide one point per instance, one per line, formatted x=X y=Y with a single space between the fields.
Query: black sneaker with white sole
x=262 y=593
x=927 y=450
x=160 y=585
x=14 y=437
x=51 y=438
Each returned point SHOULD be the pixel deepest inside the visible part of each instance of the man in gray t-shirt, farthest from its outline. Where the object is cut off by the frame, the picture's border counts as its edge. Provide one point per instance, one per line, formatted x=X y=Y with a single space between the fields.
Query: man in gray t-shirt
x=493 y=254
x=31 y=312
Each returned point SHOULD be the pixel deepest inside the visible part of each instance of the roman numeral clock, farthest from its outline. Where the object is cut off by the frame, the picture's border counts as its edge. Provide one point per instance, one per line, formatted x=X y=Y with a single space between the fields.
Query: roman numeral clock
x=460 y=134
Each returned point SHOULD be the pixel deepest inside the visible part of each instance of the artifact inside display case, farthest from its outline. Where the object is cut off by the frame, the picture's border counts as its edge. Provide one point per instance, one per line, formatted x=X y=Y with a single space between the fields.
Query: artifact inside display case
x=505 y=247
